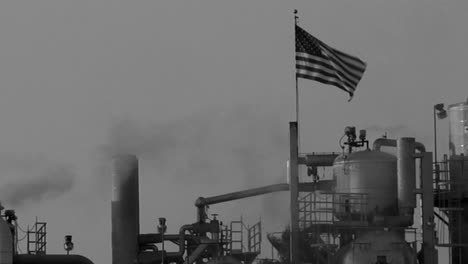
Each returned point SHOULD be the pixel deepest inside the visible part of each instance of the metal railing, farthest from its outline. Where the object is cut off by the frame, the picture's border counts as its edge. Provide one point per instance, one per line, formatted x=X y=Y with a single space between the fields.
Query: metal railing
x=331 y=208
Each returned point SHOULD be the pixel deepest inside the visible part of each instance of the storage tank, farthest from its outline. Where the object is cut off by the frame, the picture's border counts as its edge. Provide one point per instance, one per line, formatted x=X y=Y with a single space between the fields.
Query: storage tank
x=6 y=243
x=458 y=118
x=375 y=246
x=373 y=173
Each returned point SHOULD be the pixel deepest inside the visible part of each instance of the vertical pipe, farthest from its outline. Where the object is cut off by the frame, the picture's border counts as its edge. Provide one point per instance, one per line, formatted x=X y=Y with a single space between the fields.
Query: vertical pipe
x=294 y=190
x=125 y=210
x=428 y=225
x=406 y=178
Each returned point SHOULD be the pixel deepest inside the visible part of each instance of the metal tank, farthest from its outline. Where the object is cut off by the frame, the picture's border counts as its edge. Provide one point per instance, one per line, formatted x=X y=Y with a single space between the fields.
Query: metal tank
x=370 y=173
x=458 y=118
x=458 y=145
x=375 y=246
x=6 y=243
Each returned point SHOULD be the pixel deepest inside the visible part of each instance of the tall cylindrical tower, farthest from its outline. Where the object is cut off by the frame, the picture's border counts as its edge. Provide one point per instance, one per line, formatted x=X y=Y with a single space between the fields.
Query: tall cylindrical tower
x=125 y=210
x=458 y=146
x=458 y=118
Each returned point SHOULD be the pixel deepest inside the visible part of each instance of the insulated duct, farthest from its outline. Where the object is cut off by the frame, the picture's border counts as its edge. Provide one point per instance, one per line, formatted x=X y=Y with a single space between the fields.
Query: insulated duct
x=406 y=169
x=125 y=210
x=406 y=176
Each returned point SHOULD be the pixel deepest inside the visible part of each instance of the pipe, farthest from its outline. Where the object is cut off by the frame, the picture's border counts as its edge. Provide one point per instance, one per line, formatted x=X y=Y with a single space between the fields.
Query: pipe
x=318 y=160
x=325 y=185
x=199 y=250
x=50 y=259
x=154 y=257
x=406 y=176
x=154 y=248
x=201 y=201
x=383 y=142
x=125 y=209
x=386 y=142
x=182 y=238
x=151 y=238
x=419 y=147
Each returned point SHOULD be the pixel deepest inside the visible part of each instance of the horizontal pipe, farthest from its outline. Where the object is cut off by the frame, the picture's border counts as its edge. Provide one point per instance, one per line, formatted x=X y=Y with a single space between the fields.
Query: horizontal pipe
x=318 y=160
x=152 y=247
x=156 y=257
x=383 y=142
x=386 y=142
x=304 y=187
x=50 y=259
x=151 y=238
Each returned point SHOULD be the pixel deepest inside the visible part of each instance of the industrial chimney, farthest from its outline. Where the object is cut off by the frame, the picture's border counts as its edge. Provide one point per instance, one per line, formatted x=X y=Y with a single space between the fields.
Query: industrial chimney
x=125 y=210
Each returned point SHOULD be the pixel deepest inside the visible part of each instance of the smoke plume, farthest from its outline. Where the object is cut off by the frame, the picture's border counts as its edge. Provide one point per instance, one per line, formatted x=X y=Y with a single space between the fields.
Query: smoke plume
x=238 y=147
x=31 y=179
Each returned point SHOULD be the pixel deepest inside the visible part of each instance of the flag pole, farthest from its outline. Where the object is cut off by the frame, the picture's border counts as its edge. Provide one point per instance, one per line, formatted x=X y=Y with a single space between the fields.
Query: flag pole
x=297 y=89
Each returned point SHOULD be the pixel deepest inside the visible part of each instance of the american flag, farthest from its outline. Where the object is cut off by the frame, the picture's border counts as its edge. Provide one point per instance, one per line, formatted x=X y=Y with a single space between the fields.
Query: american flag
x=317 y=61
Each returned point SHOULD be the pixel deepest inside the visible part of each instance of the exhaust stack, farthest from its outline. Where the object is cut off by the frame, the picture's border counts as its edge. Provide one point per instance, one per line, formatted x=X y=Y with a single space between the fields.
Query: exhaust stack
x=125 y=209
x=406 y=181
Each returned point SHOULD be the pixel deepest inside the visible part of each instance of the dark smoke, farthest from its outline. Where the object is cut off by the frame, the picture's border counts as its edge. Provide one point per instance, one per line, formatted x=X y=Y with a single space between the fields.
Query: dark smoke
x=32 y=180
x=234 y=145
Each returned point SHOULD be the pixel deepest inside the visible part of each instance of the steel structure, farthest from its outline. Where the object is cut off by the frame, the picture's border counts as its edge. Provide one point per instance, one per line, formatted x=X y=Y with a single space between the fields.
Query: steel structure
x=363 y=214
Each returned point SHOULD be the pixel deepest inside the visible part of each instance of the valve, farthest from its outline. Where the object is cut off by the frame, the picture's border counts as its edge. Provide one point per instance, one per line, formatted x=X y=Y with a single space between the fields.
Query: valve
x=68 y=245
x=162 y=225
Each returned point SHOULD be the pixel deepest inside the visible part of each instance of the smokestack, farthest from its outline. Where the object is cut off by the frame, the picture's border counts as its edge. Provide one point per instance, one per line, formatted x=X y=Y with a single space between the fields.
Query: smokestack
x=125 y=210
x=406 y=180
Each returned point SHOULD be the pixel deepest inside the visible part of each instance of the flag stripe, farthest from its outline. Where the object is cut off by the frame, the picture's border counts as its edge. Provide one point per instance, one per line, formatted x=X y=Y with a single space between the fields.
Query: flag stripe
x=317 y=61
x=322 y=80
x=324 y=70
x=348 y=59
x=355 y=67
x=310 y=59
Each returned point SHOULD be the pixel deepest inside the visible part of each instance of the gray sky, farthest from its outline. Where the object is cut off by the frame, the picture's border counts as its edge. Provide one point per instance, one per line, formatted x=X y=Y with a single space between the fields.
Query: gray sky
x=200 y=88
